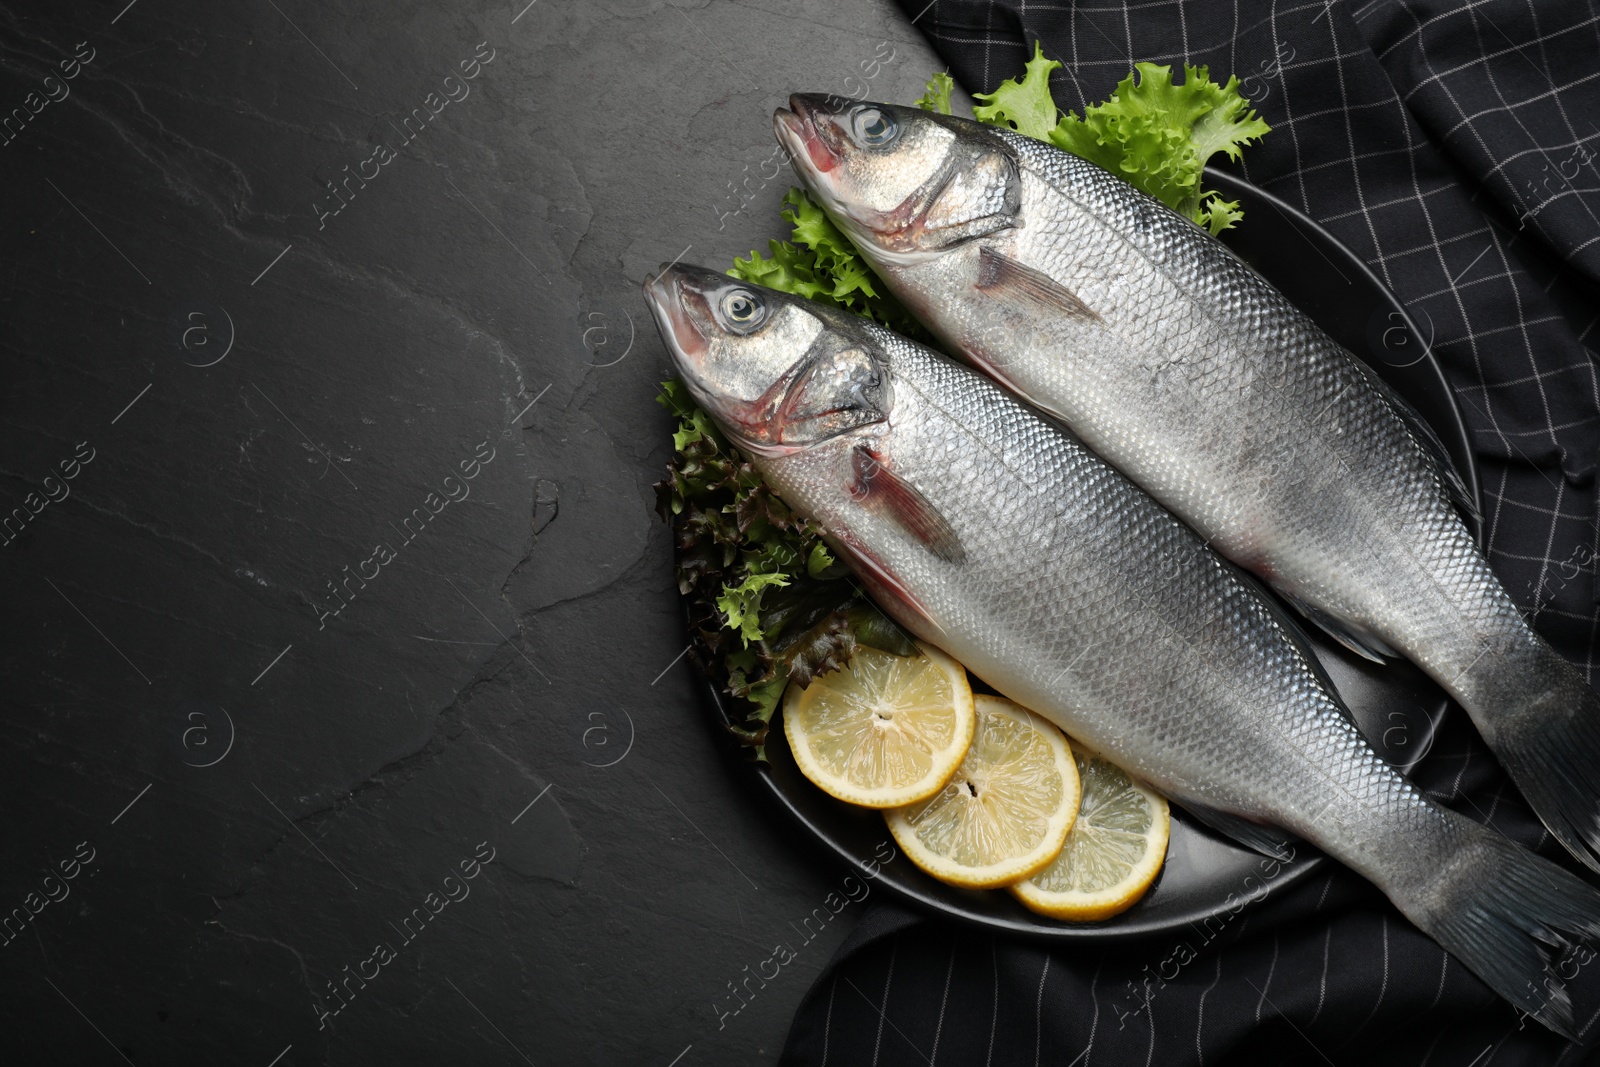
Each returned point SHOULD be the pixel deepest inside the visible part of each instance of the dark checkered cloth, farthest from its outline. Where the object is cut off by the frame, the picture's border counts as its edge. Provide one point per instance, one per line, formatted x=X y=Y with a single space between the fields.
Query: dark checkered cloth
x=1456 y=148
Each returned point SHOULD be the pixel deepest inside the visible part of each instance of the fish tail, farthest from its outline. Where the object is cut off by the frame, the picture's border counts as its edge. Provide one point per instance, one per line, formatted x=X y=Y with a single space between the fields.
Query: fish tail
x=1546 y=733
x=1501 y=910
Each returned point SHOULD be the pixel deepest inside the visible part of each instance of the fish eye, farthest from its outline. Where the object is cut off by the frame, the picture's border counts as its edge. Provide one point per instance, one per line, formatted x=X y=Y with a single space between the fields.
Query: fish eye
x=875 y=128
x=743 y=309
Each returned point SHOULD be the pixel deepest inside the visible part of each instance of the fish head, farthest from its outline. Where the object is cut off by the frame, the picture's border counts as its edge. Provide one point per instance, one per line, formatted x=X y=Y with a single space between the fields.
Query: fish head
x=779 y=373
x=903 y=183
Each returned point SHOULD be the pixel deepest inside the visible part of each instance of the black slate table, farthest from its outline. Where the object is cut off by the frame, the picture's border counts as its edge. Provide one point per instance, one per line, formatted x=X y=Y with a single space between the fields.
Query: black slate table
x=345 y=712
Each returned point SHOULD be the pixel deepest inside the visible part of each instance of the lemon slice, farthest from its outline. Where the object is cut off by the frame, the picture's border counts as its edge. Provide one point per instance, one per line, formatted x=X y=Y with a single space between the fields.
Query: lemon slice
x=884 y=730
x=1005 y=813
x=1113 y=853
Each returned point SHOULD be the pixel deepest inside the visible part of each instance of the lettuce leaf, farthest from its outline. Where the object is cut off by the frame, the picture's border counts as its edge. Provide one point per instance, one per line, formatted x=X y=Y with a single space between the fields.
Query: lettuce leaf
x=1025 y=106
x=1154 y=134
x=741 y=604
x=1159 y=136
x=936 y=97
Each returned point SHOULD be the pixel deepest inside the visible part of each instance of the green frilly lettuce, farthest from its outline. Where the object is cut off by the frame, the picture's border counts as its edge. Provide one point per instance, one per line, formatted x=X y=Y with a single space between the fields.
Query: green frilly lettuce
x=1156 y=135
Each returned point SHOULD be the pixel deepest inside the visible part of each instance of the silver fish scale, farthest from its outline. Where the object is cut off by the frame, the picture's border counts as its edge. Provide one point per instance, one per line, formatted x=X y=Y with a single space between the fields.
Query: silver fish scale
x=1219 y=397
x=1084 y=600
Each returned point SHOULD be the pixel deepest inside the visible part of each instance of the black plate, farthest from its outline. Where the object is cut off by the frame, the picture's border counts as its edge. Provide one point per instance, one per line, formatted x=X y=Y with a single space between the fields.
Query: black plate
x=1207 y=880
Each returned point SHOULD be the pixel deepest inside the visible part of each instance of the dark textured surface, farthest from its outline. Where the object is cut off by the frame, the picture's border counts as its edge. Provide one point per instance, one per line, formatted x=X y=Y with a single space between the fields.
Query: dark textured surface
x=299 y=780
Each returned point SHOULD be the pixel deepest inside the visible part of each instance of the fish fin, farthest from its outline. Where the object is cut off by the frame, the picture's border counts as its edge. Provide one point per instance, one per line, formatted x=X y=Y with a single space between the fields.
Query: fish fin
x=1267 y=840
x=883 y=586
x=1002 y=276
x=1454 y=485
x=1501 y=910
x=885 y=492
x=1356 y=640
x=1549 y=743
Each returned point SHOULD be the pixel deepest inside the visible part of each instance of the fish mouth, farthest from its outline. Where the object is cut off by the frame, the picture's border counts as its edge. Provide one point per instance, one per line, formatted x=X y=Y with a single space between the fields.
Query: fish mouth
x=800 y=134
x=665 y=293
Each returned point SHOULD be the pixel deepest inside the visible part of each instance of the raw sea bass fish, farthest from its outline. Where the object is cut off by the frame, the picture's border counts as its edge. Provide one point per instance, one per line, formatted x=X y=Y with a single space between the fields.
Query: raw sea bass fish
x=988 y=530
x=1184 y=369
